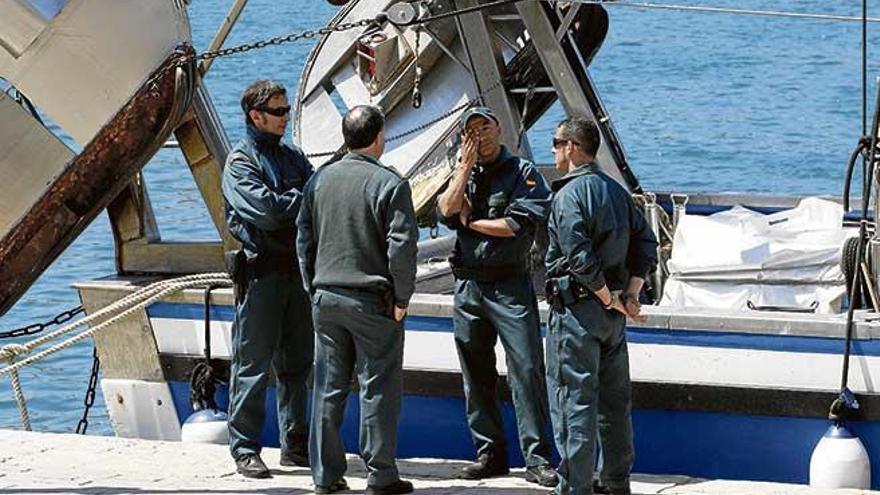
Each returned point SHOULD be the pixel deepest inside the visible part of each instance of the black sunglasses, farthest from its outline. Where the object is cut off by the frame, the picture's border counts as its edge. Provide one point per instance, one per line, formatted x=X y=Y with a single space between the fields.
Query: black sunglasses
x=559 y=142
x=278 y=112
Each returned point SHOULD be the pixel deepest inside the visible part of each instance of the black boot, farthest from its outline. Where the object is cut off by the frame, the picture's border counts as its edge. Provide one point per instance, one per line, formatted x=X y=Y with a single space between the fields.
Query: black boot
x=399 y=486
x=297 y=453
x=486 y=466
x=543 y=475
x=601 y=489
x=251 y=466
x=338 y=486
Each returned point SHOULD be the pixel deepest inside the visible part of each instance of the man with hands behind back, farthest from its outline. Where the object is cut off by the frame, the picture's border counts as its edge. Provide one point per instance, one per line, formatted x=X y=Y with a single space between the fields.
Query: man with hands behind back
x=600 y=251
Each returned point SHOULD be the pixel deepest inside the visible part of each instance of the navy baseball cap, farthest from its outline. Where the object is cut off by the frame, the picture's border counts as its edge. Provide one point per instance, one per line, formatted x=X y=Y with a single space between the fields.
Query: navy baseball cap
x=477 y=112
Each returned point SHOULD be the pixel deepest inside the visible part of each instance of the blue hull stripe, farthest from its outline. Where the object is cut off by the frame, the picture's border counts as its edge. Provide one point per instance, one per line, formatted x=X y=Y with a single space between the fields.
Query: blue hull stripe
x=691 y=338
x=700 y=444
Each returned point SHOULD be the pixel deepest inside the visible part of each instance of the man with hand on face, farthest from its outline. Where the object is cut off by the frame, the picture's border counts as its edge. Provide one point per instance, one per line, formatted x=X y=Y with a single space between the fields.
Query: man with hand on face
x=357 y=248
x=600 y=251
x=495 y=202
x=262 y=183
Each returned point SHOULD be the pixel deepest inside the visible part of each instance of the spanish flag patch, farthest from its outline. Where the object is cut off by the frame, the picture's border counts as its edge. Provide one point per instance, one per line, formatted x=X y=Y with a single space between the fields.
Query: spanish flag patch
x=531 y=182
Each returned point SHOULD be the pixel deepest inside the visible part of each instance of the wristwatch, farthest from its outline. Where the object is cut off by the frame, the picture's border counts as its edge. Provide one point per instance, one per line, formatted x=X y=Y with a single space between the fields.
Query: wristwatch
x=628 y=295
x=610 y=302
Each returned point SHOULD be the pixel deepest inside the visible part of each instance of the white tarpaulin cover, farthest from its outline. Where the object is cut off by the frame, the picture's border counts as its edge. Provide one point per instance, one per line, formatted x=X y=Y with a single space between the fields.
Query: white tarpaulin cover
x=789 y=259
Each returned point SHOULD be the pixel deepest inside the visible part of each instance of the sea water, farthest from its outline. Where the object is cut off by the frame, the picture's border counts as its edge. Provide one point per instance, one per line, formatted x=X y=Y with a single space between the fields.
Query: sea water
x=702 y=103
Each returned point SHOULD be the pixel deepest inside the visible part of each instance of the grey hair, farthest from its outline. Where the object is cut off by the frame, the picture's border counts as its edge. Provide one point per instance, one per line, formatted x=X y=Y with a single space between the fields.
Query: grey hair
x=582 y=131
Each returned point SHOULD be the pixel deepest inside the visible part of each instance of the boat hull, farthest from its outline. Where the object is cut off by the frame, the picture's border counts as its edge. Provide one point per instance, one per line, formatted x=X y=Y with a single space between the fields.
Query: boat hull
x=719 y=403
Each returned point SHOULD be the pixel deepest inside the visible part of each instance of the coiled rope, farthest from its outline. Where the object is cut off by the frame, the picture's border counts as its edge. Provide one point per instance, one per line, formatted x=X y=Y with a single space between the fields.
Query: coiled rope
x=105 y=318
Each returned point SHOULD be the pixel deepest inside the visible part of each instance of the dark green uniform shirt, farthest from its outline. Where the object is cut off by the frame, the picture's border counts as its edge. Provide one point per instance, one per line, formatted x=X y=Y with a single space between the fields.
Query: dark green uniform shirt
x=596 y=233
x=262 y=185
x=510 y=188
x=357 y=229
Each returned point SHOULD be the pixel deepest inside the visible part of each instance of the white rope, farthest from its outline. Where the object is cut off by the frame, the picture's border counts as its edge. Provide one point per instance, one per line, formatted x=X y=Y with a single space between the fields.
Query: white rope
x=18 y=394
x=121 y=309
x=135 y=297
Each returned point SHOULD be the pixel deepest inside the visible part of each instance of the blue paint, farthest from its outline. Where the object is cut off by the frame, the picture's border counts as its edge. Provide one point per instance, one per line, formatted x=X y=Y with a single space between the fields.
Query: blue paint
x=429 y=427
x=637 y=335
x=750 y=341
x=701 y=444
x=190 y=311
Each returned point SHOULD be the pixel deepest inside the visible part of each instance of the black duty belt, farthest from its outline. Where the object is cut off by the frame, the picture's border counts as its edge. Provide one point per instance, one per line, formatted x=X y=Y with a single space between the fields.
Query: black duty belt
x=264 y=265
x=377 y=291
x=489 y=273
x=565 y=291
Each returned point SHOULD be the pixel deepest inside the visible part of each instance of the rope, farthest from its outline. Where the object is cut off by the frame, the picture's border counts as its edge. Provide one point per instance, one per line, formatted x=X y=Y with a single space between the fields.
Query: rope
x=113 y=308
x=125 y=307
x=18 y=394
x=725 y=10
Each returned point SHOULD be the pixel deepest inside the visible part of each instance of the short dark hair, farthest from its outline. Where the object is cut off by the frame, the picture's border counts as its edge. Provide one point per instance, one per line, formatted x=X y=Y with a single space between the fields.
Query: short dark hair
x=361 y=125
x=582 y=131
x=258 y=94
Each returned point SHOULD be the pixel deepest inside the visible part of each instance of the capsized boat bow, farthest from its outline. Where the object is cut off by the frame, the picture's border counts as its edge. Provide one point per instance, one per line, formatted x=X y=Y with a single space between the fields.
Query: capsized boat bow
x=98 y=72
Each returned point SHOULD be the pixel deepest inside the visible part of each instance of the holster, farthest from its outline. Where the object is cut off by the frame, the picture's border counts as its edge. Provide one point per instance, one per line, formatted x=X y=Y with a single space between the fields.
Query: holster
x=237 y=266
x=565 y=291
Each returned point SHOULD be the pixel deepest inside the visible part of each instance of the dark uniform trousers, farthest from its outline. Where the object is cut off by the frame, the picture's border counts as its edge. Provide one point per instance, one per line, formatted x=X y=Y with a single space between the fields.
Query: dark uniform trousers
x=272 y=326
x=507 y=309
x=589 y=383
x=355 y=335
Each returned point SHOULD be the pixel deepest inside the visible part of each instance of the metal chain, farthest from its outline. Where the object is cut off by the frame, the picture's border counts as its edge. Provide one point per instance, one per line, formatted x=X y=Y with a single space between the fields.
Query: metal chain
x=278 y=40
x=417 y=78
x=473 y=101
x=89 y=401
x=33 y=328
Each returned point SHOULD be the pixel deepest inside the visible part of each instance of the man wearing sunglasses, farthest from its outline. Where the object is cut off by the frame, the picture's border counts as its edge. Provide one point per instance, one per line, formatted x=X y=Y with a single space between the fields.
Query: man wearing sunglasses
x=600 y=251
x=262 y=184
x=495 y=202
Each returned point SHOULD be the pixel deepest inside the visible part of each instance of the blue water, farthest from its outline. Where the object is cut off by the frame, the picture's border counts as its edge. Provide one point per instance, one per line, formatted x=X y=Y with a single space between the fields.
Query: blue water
x=702 y=102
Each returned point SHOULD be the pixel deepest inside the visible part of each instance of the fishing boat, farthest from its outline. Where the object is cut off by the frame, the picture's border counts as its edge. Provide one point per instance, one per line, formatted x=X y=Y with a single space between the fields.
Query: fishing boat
x=762 y=315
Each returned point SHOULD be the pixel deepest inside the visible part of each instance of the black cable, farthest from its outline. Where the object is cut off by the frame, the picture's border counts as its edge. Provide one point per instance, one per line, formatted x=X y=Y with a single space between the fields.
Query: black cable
x=458 y=12
x=850 y=166
x=203 y=378
x=864 y=66
x=870 y=160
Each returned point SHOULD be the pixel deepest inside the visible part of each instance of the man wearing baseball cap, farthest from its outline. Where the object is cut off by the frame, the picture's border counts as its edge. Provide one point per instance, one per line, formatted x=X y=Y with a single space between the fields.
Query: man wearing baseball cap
x=495 y=202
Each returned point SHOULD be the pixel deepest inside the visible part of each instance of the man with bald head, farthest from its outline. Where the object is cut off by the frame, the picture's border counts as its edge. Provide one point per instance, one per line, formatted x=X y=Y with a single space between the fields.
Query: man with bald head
x=357 y=252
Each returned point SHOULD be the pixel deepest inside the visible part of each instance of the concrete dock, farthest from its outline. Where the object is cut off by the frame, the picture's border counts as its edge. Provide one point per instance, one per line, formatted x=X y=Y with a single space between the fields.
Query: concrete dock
x=51 y=463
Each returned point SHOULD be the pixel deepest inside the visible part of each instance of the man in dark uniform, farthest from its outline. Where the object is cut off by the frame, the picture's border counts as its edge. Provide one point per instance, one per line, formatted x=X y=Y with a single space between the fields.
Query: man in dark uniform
x=600 y=251
x=495 y=202
x=357 y=248
x=262 y=183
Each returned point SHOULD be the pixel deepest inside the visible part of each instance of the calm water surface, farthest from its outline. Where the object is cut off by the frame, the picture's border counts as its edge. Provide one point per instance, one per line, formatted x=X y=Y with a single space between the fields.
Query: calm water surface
x=702 y=102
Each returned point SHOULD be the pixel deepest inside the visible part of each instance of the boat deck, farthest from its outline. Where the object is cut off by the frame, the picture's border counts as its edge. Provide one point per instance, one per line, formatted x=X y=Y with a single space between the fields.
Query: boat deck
x=55 y=463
